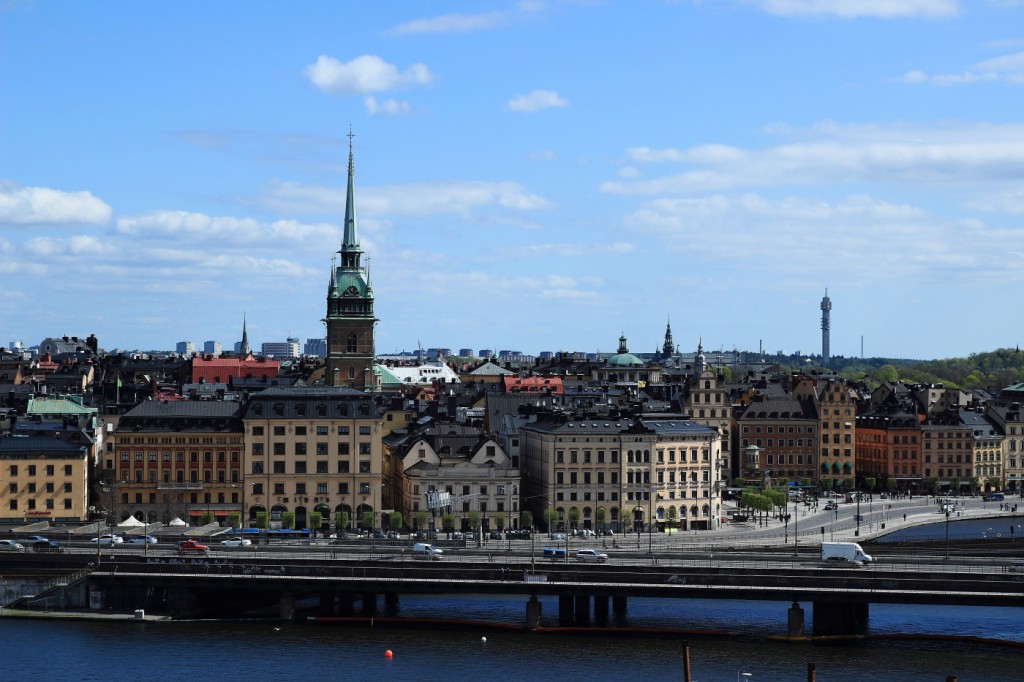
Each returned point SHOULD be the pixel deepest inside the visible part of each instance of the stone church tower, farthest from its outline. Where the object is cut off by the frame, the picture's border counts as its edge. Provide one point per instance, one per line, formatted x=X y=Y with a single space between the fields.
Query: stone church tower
x=350 y=320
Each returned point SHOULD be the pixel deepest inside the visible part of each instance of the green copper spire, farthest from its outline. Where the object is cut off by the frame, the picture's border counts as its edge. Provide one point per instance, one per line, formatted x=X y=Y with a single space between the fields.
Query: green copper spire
x=350 y=239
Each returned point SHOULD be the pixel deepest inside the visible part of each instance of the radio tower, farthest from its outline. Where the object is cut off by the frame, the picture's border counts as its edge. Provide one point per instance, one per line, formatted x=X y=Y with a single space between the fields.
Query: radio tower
x=826 y=309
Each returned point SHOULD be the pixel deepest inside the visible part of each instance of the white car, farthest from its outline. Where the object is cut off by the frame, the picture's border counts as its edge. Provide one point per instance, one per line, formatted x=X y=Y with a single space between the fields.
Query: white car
x=144 y=540
x=11 y=546
x=591 y=556
x=108 y=540
x=237 y=542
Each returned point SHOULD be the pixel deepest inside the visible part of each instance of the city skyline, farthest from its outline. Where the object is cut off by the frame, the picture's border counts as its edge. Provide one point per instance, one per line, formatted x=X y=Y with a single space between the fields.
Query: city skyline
x=716 y=165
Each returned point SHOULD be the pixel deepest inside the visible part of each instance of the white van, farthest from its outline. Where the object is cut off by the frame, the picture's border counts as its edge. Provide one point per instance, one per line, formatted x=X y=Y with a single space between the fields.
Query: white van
x=422 y=550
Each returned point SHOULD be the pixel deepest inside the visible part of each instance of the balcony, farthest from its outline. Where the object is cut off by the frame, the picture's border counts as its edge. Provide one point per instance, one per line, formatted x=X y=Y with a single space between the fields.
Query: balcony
x=179 y=486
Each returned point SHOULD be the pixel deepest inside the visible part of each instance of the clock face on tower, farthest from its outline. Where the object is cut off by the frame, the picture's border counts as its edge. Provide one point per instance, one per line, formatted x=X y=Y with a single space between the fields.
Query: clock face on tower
x=351 y=291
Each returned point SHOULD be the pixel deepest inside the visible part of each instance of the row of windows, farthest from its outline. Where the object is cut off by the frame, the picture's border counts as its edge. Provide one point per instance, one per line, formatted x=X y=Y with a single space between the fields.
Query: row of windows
x=320 y=430
x=301 y=449
x=321 y=489
x=31 y=504
x=31 y=487
x=179 y=440
x=574 y=456
x=48 y=469
x=179 y=476
x=322 y=467
x=179 y=456
x=588 y=496
x=791 y=459
x=782 y=429
x=320 y=410
x=613 y=478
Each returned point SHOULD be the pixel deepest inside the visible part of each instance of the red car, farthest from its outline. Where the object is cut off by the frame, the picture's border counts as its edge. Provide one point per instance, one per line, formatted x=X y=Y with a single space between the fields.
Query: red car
x=190 y=546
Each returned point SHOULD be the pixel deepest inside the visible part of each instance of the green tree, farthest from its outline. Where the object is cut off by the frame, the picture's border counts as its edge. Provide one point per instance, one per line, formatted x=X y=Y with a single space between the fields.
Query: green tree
x=672 y=514
x=206 y=518
x=574 y=517
x=261 y=520
x=395 y=520
x=600 y=517
x=448 y=522
x=316 y=520
x=954 y=485
x=869 y=482
x=341 y=520
x=526 y=519
x=368 y=520
x=499 y=522
x=890 y=484
x=422 y=519
x=234 y=520
x=288 y=520
x=550 y=518
x=473 y=519
x=826 y=483
x=931 y=485
x=886 y=374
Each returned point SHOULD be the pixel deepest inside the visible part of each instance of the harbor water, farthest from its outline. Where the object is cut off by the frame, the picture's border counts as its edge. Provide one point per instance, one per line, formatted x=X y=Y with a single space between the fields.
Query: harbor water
x=169 y=650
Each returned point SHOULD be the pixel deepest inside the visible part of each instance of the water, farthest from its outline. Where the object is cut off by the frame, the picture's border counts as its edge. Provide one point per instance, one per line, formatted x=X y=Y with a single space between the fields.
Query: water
x=67 y=650
x=963 y=529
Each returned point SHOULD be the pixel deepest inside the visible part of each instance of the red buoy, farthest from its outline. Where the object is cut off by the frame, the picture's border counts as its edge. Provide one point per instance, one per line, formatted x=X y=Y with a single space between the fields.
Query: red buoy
x=388 y=654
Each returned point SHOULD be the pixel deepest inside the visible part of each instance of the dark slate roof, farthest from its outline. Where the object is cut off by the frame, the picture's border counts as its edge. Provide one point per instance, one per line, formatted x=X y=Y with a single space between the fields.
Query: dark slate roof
x=20 y=446
x=777 y=409
x=977 y=422
x=305 y=402
x=214 y=409
x=590 y=426
x=667 y=424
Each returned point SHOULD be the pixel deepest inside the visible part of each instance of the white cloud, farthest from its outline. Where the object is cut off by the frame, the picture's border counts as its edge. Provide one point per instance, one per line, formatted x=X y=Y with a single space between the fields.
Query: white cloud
x=854 y=9
x=452 y=23
x=363 y=75
x=388 y=107
x=979 y=153
x=1008 y=68
x=416 y=199
x=21 y=205
x=537 y=100
x=174 y=223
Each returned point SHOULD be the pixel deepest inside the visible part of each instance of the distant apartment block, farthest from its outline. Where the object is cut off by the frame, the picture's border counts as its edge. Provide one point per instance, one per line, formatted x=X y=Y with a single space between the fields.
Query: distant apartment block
x=282 y=350
x=486 y=354
x=465 y=352
x=212 y=348
x=316 y=347
x=185 y=348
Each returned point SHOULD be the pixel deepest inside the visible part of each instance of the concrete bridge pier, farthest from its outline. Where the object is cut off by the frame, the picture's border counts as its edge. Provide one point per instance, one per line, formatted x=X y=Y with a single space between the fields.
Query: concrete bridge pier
x=601 y=609
x=582 y=609
x=369 y=603
x=619 y=609
x=391 y=603
x=287 y=606
x=327 y=605
x=565 y=609
x=840 y=618
x=533 y=613
x=795 y=625
x=346 y=605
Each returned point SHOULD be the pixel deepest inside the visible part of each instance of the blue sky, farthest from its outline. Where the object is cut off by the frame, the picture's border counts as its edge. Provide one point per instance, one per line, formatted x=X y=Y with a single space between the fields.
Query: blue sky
x=532 y=176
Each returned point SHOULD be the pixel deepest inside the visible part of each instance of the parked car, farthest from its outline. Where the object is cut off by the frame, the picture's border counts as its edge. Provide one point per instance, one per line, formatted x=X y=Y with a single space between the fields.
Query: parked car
x=558 y=536
x=591 y=556
x=192 y=547
x=831 y=506
x=45 y=545
x=11 y=546
x=107 y=540
x=379 y=534
x=144 y=540
x=237 y=542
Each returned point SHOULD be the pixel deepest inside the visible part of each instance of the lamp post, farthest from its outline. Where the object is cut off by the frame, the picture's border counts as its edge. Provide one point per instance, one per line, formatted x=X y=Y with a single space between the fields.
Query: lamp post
x=947 y=533
x=857 y=533
x=796 y=526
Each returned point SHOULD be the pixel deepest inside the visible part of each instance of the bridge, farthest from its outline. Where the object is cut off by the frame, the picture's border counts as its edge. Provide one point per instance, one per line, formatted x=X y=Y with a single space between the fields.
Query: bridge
x=286 y=585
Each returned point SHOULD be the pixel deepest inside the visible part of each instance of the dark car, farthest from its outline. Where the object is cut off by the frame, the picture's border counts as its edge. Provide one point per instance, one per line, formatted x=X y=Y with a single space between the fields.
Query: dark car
x=45 y=545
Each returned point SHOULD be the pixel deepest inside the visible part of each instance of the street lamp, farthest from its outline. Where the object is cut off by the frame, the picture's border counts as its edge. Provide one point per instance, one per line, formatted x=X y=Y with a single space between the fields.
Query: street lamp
x=947 y=532
x=796 y=526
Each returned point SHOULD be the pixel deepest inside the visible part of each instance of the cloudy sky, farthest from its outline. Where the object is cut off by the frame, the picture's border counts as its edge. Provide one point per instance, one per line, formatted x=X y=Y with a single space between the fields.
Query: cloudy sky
x=540 y=175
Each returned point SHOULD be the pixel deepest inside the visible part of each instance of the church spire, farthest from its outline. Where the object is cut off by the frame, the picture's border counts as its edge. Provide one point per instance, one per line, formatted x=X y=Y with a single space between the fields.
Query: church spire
x=668 y=350
x=350 y=238
x=244 y=350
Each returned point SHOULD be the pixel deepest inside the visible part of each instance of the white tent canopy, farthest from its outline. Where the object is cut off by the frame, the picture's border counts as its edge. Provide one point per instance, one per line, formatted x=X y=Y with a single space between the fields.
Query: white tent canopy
x=130 y=522
x=177 y=522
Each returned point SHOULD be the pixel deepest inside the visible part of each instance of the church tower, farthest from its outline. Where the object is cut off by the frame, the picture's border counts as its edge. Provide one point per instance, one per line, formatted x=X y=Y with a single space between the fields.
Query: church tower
x=350 y=320
x=245 y=349
x=669 y=348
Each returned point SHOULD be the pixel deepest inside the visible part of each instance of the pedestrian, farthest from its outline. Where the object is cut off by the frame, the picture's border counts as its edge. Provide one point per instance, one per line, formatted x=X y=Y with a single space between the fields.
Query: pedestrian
x=904 y=518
